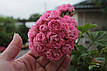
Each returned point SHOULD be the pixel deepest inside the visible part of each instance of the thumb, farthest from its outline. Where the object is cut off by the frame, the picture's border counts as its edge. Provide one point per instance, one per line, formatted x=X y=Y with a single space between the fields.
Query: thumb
x=13 y=48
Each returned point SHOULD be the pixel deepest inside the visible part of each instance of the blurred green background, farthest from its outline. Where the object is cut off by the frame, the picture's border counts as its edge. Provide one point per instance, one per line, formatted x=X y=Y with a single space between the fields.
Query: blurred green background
x=10 y=25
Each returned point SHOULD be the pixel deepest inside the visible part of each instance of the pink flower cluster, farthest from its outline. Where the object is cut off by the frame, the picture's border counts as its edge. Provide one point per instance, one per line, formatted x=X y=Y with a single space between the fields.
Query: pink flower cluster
x=65 y=7
x=53 y=35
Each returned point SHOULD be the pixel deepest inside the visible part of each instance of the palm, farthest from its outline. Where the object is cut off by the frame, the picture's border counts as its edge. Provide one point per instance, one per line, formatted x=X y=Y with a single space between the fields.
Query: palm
x=28 y=62
x=24 y=63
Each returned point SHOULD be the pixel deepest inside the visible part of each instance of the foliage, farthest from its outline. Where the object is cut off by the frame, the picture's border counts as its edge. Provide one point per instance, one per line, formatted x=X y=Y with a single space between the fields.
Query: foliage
x=7 y=27
x=84 y=59
x=22 y=30
x=86 y=27
x=34 y=17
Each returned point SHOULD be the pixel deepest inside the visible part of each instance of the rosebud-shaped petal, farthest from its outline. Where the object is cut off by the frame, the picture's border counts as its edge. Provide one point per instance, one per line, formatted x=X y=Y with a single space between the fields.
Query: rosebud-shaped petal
x=54 y=38
x=39 y=49
x=63 y=32
x=33 y=31
x=68 y=19
x=54 y=54
x=54 y=25
x=67 y=48
x=40 y=37
x=65 y=8
x=43 y=28
x=72 y=31
x=31 y=45
x=54 y=15
x=46 y=16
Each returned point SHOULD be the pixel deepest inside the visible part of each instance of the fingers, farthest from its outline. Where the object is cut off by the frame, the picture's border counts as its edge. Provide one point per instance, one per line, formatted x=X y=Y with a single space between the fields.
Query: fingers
x=13 y=48
x=39 y=68
x=28 y=61
x=43 y=61
x=65 y=64
x=32 y=54
x=53 y=66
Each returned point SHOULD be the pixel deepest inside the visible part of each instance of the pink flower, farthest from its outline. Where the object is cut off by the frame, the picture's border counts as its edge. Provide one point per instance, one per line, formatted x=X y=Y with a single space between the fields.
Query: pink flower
x=69 y=19
x=54 y=54
x=54 y=38
x=67 y=48
x=53 y=45
x=49 y=34
x=53 y=35
x=38 y=49
x=73 y=33
x=54 y=15
x=40 y=37
x=63 y=32
x=46 y=16
x=31 y=45
x=33 y=31
x=65 y=8
x=43 y=28
x=54 y=25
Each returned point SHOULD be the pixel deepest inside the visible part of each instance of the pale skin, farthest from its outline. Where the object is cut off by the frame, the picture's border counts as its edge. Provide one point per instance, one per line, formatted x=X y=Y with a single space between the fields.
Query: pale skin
x=28 y=62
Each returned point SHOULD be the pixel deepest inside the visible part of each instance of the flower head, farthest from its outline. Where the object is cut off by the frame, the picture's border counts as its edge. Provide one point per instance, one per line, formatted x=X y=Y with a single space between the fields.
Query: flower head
x=53 y=35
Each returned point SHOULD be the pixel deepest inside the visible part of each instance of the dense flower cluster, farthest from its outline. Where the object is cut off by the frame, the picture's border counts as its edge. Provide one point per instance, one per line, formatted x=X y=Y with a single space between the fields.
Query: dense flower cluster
x=53 y=35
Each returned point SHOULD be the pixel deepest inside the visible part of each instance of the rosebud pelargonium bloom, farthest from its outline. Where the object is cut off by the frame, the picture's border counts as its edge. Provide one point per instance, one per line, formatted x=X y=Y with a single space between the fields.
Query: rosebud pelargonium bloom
x=54 y=54
x=68 y=19
x=54 y=25
x=65 y=8
x=43 y=28
x=67 y=48
x=53 y=35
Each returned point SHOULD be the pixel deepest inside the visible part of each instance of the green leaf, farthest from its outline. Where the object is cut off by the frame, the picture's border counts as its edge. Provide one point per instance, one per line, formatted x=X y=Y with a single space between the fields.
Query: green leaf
x=104 y=50
x=93 y=53
x=79 y=50
x=94 y=65
x=84 y=54
x=91 y=67
x=86 y=27
x=80 y=35
x=98 y=38
x=72 y=57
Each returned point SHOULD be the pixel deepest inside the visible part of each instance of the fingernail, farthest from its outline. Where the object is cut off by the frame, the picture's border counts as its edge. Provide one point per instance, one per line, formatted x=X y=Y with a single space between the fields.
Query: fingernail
x=14 y=35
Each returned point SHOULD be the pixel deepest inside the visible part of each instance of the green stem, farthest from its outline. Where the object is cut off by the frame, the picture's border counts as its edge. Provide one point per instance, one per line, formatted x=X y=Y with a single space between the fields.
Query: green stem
x=91 y=41
x=80 y=38
x=87 y=33
x=75 y=48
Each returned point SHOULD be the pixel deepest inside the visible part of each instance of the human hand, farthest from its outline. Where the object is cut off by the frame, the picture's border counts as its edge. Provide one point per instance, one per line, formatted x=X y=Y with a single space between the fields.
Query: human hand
x=29 y=62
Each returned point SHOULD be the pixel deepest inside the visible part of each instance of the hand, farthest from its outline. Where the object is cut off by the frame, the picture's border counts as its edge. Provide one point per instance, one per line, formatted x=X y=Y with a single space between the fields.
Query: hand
x=28 y=62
